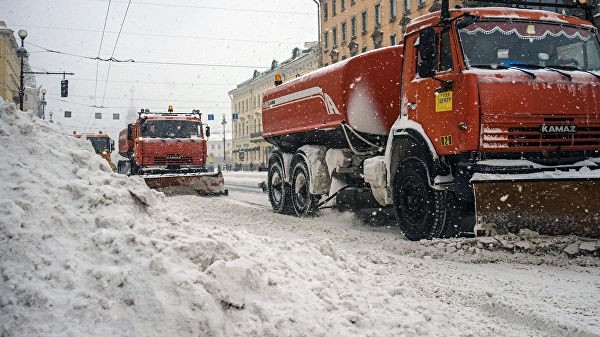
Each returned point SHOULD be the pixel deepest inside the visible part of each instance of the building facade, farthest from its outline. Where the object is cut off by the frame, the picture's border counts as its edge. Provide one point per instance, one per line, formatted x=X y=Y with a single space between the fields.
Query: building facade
x=215 y=152
x=351 y=27
x=250 y=151
x=10 y=72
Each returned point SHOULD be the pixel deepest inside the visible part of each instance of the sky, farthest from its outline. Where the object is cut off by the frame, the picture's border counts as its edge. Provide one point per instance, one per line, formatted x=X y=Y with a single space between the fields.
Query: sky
x=88 y=252
x=222 y=42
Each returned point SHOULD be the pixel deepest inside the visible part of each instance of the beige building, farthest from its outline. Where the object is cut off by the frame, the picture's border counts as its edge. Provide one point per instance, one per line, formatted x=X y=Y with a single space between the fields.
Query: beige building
x=215 y=152
x=250 y=151
x=350 y=27
x=10 y=71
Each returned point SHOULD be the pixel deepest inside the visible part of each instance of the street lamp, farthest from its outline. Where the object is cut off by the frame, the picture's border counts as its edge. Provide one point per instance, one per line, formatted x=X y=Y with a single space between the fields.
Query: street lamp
x=43 y=103
x=224 y=122
x=22 y=53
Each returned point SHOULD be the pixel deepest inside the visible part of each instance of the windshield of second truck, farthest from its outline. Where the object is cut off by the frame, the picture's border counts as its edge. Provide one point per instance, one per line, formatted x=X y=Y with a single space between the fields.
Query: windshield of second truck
x=100 y=144
x=171 y=129
x=504 y=44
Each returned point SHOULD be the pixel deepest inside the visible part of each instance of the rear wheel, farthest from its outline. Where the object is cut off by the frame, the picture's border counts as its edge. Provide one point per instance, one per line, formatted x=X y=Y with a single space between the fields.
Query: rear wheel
x=279 y=190
x=304 y=203
x=421 y=211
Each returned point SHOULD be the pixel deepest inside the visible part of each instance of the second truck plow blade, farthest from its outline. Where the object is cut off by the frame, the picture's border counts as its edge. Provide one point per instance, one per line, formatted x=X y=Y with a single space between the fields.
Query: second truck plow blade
x=553 y=207
x=205 y=183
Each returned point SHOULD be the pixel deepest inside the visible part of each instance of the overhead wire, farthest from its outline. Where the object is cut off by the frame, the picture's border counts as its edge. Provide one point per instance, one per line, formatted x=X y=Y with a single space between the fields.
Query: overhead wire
x=112 y=59
x=115 y=48
x=100 y=49
x=163 y=35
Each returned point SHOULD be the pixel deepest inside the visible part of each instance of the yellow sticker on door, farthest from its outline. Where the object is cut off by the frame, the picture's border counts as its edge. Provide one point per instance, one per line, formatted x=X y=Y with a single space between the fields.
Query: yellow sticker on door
x=443 y=101
x=446 y=140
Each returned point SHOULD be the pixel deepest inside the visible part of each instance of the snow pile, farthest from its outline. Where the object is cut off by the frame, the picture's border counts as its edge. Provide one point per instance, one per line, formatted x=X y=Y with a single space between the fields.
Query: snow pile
x=87 y=252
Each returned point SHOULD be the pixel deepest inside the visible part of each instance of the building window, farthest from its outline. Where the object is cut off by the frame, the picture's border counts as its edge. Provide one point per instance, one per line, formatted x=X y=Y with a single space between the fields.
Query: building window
x=363 y=18
x=353 y=26
x=326 y=40
x=98 y=115
x=377 y=15
x=67 y=114
x=116 y=116
x=406 y=5
x=421 y=4
x=334 y=8
x=343 y=5
x=344 y=35
x=334 y=37
x=325 y=16
x=393 y=9
x=364 y=49
x=352 y=2
x=393 y=40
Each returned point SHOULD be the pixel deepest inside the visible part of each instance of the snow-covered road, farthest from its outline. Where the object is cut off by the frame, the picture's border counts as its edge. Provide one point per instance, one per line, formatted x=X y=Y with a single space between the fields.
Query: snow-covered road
x=478 y=292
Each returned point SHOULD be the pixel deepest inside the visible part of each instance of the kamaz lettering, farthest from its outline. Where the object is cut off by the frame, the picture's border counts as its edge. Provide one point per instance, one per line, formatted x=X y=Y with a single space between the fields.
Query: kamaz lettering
x=558 y=128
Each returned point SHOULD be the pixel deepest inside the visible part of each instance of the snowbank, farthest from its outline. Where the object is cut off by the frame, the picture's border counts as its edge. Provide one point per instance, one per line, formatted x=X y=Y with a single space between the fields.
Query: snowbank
x=87 y=252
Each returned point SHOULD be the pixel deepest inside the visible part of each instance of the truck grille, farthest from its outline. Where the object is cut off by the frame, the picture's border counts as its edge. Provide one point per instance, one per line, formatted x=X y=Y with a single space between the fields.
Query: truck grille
x=527 y=135
x=173 y=160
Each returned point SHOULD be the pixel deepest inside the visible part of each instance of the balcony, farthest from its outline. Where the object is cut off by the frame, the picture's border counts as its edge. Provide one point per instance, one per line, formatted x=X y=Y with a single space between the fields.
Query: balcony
x=256 y=136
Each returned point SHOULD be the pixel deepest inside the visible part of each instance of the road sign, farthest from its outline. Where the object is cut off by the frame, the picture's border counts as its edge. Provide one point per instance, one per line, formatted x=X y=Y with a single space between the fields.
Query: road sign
x=211 y=117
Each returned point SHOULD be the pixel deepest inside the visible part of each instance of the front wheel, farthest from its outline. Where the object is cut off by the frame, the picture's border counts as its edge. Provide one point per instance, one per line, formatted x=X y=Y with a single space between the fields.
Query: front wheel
x=305 y=203
x=421 y=211
x=279 y=190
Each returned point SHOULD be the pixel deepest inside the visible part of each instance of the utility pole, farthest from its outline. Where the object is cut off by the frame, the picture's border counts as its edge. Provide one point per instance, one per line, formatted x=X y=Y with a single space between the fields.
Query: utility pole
x=224 y=122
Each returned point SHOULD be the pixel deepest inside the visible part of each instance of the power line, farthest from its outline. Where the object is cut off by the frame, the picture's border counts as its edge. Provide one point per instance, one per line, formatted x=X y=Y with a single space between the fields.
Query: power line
x=100 y=49
x=221 y=8
x=145 y=99
x=129 y=107
x=114 y=49
x=130 y=61
x=162 y=35
x=151 y=82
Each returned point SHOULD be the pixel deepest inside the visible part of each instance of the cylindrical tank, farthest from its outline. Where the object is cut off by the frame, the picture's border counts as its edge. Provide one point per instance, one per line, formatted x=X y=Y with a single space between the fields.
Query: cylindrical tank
x=362 y=92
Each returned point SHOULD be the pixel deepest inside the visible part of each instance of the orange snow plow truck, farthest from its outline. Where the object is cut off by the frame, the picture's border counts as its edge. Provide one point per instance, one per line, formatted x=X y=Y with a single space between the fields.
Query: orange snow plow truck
x=169 y=151
x=485 y=120
x=103 y=145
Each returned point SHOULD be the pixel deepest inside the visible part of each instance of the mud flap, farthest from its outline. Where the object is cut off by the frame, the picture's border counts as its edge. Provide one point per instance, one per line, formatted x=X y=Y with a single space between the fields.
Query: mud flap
x=548 y=207
x=207 y=183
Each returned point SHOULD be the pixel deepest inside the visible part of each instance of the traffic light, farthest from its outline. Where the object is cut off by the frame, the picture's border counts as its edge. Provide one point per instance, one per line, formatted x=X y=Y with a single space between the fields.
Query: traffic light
x=64 y=88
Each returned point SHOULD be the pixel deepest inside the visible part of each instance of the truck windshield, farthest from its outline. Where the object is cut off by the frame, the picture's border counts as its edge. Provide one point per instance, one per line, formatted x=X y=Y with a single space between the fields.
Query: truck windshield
x=100 y=143
x=503 y=44
x=171 y=129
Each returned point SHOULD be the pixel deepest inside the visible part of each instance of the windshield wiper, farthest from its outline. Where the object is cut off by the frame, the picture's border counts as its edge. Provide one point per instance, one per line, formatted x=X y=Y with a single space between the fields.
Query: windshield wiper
x=572 y=68
x=502 y=66
x=560 y=72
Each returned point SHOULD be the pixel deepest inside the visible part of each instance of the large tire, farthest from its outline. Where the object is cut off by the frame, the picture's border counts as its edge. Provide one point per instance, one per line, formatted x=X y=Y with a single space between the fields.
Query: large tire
x=279 y=190
x=304 y=203
x=421 y=211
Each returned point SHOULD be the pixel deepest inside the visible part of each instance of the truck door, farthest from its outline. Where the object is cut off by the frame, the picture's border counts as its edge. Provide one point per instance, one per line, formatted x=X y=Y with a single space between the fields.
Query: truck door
x=435 y=93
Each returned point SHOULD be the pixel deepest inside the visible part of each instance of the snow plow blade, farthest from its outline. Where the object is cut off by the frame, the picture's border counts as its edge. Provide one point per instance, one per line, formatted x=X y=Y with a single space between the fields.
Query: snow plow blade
x=205 y=183
x=551 y=207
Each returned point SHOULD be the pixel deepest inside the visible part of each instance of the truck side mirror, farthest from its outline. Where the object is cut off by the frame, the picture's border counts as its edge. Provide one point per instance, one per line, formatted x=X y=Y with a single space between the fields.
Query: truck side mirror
x=427 y=53
x=111 y=145
x=207 y=132
x=129 y=132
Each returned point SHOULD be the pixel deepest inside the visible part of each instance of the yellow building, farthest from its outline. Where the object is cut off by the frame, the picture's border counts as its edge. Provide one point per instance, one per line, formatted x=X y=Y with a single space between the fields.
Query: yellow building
x=250 y=151
x=350 y=27
x=10 y=65
x=10 y=72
